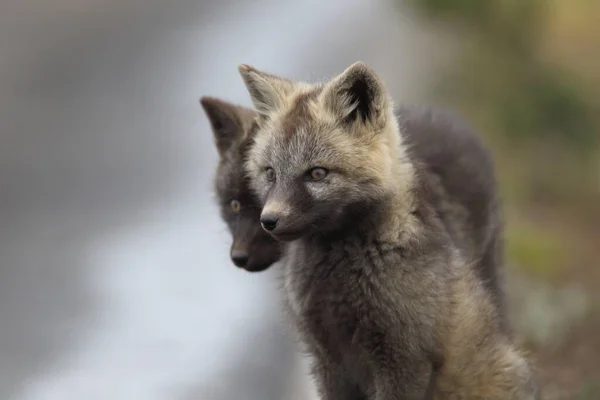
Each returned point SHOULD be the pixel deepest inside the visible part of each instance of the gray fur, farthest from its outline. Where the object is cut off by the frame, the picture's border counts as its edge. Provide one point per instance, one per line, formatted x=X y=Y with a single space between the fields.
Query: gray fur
x=461 y=172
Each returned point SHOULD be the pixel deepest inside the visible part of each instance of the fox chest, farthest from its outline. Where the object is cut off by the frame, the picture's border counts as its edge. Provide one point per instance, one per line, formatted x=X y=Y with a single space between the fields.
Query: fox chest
x=328 y=309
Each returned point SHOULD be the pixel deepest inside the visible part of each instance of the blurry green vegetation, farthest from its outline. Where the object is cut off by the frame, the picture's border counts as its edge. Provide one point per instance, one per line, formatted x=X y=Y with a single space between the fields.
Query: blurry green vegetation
x=542 y=253
x=590 y=391
x=503 y=73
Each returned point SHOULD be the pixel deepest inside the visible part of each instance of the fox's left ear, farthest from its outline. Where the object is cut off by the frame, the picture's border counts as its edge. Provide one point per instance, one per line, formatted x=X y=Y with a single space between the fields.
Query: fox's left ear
x=357 y=95
x=226 y=120
x=267 y=91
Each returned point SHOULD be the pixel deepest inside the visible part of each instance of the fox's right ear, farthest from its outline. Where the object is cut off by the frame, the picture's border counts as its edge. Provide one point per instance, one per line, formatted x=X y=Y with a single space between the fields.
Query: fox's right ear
x=357 y=95
x=224 y=120
x=267 y=91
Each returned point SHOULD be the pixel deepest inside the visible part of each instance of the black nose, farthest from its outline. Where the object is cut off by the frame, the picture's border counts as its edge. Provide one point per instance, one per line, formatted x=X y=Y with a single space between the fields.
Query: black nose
x=269 y=221
x=239 y=258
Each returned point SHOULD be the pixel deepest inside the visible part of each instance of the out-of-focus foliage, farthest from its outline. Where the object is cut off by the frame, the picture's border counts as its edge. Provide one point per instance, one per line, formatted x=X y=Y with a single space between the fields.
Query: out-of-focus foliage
x=505 y=74
x=527 y=74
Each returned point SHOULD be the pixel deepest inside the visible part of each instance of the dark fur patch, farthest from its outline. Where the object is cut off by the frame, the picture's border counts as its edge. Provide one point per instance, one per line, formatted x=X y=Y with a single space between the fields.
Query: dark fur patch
x=234 y=128
x=360 y=94
x=225 y=122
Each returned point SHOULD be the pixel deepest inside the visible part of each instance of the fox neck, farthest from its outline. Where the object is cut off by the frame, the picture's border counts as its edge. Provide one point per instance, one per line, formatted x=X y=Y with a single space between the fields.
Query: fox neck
x=395 y=216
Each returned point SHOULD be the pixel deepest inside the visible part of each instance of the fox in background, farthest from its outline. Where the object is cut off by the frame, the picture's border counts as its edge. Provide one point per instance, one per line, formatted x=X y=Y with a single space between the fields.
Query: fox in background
x=252 y=249
x=391 y=296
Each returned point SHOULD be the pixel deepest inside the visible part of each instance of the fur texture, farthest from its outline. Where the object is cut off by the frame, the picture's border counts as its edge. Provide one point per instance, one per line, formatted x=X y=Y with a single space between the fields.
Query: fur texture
x=252 y=248
x=457 y=164
x=378 y=288
x=460 y=171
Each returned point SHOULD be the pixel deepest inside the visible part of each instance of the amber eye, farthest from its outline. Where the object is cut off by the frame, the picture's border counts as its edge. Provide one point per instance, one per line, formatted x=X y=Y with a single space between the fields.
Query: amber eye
x=316 y=174
x=235 y=206
x=270 y=174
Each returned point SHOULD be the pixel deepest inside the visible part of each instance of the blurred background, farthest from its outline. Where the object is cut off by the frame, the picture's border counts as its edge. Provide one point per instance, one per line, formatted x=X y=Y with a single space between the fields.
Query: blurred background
x=115 y=281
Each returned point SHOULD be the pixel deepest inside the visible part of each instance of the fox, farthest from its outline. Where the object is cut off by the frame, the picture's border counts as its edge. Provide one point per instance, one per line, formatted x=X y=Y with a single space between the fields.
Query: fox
x=383 y=299
x=453 y=154
x=252 y=249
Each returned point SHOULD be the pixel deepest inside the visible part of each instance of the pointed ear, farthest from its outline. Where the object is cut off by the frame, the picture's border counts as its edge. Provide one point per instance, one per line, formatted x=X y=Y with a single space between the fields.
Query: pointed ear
x=357 y=94
x=267 y=91
x=226 y=121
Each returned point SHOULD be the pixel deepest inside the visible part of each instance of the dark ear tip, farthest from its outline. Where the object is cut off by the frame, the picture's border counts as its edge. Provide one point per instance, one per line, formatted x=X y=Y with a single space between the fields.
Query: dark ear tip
x=216 y=108
x=208 y=102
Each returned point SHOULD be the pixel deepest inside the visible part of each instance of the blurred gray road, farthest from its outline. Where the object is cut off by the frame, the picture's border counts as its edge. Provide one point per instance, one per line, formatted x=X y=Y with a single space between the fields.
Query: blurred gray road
x=114 y=276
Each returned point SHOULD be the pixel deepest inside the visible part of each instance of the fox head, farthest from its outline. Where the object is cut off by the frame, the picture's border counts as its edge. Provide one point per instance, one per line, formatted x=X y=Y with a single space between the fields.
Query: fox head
x=232 y=127
x=323 y=153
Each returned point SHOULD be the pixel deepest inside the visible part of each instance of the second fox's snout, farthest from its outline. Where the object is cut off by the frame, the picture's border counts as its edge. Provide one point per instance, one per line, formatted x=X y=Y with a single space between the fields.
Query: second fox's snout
x=239 y=257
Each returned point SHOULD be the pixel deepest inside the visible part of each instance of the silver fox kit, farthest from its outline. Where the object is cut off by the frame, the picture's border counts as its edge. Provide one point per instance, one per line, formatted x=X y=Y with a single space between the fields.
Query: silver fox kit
x=384 y=301
x=232 y=126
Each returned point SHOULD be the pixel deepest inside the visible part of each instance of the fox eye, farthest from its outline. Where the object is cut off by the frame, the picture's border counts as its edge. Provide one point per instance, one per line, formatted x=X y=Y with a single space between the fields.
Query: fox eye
x=318 y=173
x=235 y=206
x=270 y=174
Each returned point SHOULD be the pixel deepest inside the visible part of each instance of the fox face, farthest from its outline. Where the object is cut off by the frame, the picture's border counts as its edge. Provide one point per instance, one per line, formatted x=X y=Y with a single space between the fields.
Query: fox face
x=322 y=153
x=252 y=249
